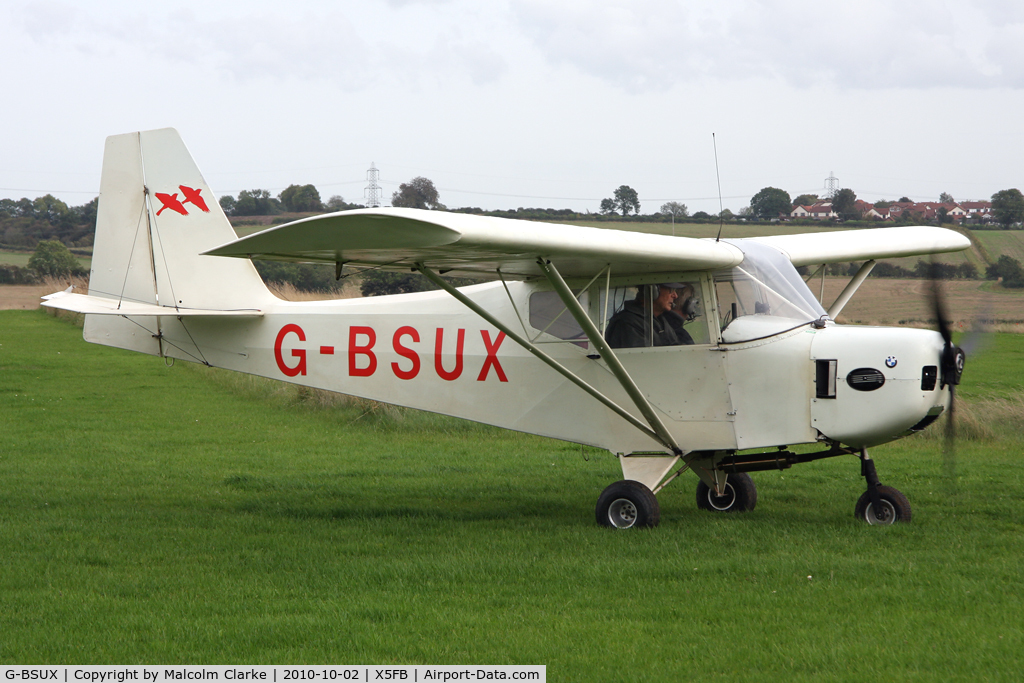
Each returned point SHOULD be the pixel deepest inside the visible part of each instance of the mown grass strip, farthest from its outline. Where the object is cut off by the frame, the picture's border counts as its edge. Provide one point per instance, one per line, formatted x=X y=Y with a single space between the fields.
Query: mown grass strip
x=152 y=514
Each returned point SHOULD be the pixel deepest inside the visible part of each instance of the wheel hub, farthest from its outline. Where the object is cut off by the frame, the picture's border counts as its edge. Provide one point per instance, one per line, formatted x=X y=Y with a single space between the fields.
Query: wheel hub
x=886 y=516
x=724 y=501
x=622 y=513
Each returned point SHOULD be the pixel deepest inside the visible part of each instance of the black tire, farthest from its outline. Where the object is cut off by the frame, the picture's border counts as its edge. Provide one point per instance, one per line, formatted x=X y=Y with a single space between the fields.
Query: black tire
x=627 y=504
x=896 y=507
x=740 y=495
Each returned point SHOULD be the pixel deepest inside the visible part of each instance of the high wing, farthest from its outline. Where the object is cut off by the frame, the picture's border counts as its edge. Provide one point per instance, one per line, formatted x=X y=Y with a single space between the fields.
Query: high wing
x=866 y=244
x=480 y=246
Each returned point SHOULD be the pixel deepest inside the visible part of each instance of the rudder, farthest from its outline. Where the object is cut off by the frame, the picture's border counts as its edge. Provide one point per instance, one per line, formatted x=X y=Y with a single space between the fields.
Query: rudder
x=156 y=216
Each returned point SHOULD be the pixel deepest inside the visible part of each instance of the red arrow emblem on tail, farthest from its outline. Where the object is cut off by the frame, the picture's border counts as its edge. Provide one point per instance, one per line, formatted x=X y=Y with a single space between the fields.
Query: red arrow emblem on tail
x=193 y=197
x=170 y=201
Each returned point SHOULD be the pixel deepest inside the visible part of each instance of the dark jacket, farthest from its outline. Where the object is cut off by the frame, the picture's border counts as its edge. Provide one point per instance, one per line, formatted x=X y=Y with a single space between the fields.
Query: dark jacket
x=627 y=329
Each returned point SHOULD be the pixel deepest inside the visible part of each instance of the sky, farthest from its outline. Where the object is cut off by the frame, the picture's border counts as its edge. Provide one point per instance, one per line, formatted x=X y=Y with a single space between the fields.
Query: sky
x=524 y=103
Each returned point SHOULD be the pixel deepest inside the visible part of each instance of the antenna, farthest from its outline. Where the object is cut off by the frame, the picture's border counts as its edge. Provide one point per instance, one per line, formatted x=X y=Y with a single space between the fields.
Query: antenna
x=721 y=209
x=372 y=191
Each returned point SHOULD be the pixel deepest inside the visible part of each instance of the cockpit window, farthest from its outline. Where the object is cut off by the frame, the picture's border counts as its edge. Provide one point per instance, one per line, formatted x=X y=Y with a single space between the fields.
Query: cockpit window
x=655 y=315
x=766 y=286
x=548 y=314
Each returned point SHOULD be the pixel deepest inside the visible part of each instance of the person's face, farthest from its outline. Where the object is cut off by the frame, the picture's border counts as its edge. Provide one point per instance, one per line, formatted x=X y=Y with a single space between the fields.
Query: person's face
x=666 y=296
x=683 y=295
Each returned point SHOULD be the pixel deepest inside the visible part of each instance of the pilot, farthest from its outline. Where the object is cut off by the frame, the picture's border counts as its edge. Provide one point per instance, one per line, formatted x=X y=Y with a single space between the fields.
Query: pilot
x=684 y=309
x=629 y=329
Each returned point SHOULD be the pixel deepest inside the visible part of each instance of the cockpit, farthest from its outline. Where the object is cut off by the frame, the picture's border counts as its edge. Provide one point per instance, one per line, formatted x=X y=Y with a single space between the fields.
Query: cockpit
x=762 y=296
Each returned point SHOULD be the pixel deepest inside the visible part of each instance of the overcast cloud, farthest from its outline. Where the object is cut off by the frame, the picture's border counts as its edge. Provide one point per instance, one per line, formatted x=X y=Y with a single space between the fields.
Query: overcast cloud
x=524 y=102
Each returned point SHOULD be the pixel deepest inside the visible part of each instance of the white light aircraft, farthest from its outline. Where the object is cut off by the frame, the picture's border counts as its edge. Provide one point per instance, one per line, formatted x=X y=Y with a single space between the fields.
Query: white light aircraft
x=673 y=353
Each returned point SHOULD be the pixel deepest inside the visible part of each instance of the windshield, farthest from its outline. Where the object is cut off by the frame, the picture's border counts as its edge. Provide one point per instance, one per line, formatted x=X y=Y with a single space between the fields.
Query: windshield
x=762 y=296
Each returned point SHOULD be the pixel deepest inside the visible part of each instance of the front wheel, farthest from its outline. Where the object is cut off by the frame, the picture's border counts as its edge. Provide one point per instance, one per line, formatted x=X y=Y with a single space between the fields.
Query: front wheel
x=740 y=495
x=626 y=504
x=894 y=507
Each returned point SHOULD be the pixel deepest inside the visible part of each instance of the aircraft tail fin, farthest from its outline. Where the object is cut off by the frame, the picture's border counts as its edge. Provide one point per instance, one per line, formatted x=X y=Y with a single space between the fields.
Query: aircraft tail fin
x=156 y=216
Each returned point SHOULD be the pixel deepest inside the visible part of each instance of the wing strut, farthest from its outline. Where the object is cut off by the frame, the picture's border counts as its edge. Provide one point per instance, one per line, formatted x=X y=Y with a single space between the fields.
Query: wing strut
x=532 y=348
x=851 y=289
x=613 y=362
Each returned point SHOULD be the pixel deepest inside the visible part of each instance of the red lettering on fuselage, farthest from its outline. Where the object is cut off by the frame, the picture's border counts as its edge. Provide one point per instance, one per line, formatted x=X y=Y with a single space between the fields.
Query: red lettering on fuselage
x=300 y=367
x=362 y=360
x=492 y=357
x=438 y=344
x=406 y=352
x=355 y=349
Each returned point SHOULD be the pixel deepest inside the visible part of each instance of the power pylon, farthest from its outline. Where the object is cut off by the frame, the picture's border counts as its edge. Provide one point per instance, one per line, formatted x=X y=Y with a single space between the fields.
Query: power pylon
x=831 y=185
x=372 y=191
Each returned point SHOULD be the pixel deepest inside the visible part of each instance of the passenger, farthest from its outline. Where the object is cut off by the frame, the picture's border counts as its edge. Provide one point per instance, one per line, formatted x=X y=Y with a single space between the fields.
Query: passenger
x=630 y=328
x=684 y=309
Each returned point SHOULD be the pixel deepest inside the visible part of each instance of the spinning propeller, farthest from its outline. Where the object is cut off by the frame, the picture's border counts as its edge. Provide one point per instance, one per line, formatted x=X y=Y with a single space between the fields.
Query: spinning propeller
x=951 y=367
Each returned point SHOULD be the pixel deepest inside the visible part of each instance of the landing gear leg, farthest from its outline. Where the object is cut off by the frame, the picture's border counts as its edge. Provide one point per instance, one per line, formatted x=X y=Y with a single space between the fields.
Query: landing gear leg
x=879 y=504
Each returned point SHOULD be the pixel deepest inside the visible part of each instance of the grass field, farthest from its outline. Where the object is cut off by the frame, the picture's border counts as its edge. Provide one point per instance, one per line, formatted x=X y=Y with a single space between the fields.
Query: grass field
x=20 y=258
x=182 y=515
x=998 y=242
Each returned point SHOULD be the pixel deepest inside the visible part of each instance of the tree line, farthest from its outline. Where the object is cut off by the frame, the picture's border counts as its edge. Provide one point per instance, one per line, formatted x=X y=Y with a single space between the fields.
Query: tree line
x=26 y=223
x=771 y=203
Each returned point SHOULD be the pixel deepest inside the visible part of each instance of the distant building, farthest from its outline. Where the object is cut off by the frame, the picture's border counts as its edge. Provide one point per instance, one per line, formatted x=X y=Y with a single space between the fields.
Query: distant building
x=819 y=211
x=956 y=212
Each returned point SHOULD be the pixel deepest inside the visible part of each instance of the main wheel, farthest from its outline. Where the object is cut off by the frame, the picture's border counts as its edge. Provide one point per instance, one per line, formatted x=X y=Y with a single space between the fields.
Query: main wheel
x=895 y=507
x=740 y=495
x=626 y=504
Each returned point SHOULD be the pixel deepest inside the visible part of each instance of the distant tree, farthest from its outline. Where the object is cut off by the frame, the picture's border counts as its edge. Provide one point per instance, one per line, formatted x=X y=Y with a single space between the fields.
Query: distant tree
x=942 y=215
x=86 y=213
x=380 y=283
x=967 y=271
x=418 y=193
x=227 y=203
x=702 y=215
x=52 y=259
x=627 y=200
x=52 y=210
x=946 y=198
x=336 y=203
x=608 y=206
x=883 y=204
x=675 y=209
x=726 y=215
x=844 y=204
x=885 y=269
x=906 y=200
x=255 y=203
x=1008 y=207
x=306 y=277
x=301 y=198
x=935 y=271
x=1007 y=269
x=805 y=200
x=770 y=202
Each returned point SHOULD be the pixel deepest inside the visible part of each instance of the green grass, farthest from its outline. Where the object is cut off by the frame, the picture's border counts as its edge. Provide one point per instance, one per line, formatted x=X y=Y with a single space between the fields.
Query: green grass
x=20 y=258
x=999 y=242
x=152 y=514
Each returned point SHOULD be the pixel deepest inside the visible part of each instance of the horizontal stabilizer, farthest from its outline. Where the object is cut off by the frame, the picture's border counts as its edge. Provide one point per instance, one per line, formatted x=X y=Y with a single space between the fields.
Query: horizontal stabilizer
x=83 y=303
